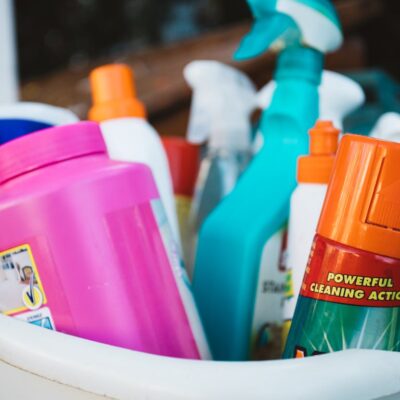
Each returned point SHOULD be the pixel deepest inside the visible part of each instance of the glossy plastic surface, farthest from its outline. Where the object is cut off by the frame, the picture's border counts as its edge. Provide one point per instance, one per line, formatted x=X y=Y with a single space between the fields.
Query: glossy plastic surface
x=349 y=299
x=62 y=367
x=135 y=140
x=114 y=93
x=362 y=206
x=100 y=241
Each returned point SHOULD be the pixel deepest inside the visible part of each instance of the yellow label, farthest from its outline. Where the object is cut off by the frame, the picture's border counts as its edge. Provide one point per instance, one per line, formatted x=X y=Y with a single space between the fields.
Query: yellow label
x=183 y=204
x=20 y=286
x=285 y=332
x=32 y=298
x=289 y=287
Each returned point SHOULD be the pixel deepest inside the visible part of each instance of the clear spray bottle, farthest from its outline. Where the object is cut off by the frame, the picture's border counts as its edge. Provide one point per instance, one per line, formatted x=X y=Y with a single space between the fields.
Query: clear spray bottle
x=223 y=100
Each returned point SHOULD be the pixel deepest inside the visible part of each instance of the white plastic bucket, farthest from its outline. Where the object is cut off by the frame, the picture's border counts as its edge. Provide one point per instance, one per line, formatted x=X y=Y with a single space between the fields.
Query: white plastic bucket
x=36 y=363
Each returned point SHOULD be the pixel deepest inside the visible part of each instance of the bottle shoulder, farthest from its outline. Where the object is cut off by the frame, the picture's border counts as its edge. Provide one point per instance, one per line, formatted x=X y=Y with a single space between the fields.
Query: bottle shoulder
x=134 y=140
x=310 y=189
x=137 y=129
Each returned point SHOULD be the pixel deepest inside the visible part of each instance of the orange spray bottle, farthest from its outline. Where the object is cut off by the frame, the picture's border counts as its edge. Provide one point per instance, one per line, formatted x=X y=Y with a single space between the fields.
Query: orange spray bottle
x=350 y=295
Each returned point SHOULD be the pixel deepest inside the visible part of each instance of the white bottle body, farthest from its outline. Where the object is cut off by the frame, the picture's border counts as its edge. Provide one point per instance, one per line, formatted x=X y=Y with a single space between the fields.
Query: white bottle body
x=305 y=209
x=135 y=140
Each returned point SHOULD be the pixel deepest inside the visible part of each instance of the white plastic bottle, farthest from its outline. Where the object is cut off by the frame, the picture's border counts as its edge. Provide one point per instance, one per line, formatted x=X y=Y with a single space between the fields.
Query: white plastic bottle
x=223 y=100
x=128 y=135
x=313 y=173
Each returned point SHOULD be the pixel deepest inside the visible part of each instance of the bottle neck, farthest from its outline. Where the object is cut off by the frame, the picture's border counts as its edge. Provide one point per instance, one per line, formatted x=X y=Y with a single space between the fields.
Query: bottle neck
x=295 y=104
x=300 y=63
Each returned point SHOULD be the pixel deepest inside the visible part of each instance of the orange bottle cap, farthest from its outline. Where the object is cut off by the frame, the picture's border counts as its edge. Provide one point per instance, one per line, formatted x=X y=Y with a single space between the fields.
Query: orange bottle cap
x=362 y=205
x=114 y=93
x=317 y=167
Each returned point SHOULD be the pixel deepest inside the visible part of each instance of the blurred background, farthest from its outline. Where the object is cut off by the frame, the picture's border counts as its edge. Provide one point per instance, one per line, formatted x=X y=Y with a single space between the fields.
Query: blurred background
x=59 y=42
x=70 y=33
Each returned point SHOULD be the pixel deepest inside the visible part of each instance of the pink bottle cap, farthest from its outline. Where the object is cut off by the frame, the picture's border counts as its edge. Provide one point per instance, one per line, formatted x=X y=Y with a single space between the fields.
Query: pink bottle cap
x=49 y=146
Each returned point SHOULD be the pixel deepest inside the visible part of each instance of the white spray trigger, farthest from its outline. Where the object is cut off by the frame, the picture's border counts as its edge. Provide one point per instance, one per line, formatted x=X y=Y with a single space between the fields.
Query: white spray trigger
x=317 y=21
x=264 y=96
x=223 y=99
x=340 y=96
x=199 y=119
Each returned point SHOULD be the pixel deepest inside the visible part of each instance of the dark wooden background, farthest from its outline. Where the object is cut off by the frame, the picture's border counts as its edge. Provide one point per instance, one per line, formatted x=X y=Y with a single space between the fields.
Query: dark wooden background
x=61 y=41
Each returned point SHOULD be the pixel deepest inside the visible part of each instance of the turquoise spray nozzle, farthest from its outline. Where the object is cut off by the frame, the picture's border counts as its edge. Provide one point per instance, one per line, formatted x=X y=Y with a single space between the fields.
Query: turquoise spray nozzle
x=284 y=23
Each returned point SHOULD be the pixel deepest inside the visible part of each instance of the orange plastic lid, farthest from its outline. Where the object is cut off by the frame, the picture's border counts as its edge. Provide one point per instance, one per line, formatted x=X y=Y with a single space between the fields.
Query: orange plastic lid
x=362 y=205
x=317 y=167
x=184 y=162
x=114 y=93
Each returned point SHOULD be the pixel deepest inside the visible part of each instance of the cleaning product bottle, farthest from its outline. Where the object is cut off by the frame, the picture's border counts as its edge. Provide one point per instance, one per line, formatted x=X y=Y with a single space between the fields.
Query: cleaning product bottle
x=128 y=135
x=184 y=162
x=387 y=127
x=350 y=296
x=237 y=283
x=18 y=119
x=313 y=173
x=222 y=103
x=89 y=239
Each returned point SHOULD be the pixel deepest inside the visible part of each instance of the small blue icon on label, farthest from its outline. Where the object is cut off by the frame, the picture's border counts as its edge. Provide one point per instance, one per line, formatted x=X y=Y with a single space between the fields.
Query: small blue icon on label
x=44 y=323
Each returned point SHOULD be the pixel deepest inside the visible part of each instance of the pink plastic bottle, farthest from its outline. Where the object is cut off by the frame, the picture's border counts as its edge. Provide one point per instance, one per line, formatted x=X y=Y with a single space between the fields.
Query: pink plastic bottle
x=85 y=247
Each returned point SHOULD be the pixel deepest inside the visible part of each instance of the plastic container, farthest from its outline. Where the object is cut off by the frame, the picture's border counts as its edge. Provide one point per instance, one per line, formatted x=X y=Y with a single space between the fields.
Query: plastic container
x=313 y=173
x=128 y=135
x=350 y=296
x=184 y=163
x=92 y=247
x=19 y=119
x=56 y=366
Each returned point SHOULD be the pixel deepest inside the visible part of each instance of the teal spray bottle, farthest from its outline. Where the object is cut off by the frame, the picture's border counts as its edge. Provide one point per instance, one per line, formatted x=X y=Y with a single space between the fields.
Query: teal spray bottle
x=240 y=243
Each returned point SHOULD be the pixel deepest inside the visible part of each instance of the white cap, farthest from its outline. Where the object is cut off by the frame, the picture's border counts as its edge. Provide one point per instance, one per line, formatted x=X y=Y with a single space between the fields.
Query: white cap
x=317 y=21
x=339 y=96
x=387 y=127
x=223 y=100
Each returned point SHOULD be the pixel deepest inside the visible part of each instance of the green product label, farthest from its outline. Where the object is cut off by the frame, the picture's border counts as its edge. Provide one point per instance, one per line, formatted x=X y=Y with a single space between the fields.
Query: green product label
x=349 y=299
x=323 y=327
